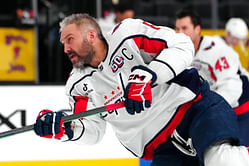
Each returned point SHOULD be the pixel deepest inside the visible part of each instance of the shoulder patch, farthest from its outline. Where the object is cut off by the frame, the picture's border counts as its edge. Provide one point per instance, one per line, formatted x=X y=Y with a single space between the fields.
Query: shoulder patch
x=79 y=80
x=210 y=46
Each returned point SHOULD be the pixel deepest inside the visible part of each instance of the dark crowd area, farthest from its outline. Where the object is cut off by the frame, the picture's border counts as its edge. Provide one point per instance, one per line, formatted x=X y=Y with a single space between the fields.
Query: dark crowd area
x=54 y=66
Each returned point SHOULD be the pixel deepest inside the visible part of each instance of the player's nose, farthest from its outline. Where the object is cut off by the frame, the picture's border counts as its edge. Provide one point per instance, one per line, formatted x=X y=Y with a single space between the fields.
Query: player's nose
x=67 y=48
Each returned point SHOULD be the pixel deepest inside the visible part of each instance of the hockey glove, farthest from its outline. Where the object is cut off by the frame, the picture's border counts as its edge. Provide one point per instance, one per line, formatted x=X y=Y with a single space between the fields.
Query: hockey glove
x=50 y=125
x=138 y=91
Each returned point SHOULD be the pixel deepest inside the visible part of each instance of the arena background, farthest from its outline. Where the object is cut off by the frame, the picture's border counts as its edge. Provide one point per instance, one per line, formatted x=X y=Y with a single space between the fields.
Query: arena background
x=34 y=69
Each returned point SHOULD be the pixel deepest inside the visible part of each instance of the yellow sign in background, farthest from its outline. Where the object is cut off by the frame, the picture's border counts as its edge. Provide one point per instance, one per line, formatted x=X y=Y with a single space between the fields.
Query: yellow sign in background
x=17 y=54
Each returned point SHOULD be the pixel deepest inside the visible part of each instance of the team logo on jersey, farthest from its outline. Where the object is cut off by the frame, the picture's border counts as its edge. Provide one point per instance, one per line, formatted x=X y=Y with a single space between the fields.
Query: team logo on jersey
x=117 y=63
x=113 y=95
x=185 y=146
x=209 y=47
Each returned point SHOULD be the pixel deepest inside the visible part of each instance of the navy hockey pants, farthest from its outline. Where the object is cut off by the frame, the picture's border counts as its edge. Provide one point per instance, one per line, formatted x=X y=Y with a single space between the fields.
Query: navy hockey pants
x=207 y=121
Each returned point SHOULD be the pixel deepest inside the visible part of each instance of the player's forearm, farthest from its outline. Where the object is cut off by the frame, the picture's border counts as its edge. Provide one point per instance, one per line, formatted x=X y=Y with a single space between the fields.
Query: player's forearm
x=88 y=132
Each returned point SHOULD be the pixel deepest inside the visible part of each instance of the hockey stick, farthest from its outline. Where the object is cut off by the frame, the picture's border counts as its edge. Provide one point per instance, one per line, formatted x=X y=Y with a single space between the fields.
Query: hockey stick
x=68 y=118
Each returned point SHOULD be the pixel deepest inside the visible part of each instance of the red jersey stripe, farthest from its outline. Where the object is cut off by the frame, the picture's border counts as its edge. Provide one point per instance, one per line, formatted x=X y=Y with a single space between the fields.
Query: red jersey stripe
x=242 y=108
x=149 y=45
x=212 y=73
x=80 y=104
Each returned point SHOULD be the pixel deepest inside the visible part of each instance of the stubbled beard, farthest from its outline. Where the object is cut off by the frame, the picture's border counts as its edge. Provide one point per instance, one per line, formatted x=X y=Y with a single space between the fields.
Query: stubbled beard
x=83 y=61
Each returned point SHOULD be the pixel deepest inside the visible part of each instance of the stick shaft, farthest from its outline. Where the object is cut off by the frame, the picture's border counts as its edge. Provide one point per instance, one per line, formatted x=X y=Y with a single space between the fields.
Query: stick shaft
x=16 y=131
x=68 y=118
x=94 y=111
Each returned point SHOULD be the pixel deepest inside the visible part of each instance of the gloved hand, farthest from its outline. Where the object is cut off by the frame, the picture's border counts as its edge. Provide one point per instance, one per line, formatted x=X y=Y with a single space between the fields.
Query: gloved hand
x=50 y=125
x=138 y=91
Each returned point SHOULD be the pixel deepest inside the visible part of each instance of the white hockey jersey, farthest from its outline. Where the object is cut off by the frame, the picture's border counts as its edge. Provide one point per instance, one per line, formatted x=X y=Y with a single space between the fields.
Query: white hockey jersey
x=134 y=42
x=220 y=65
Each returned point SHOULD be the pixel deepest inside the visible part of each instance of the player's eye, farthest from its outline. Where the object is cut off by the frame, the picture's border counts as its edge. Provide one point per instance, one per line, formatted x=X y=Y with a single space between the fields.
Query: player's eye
x=69 y=40
x=184 y=28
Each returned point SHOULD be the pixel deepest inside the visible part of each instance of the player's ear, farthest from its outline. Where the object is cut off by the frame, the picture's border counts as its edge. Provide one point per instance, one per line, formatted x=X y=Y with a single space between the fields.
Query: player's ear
x=228 y=34
x=198 y=29
x=91 y=36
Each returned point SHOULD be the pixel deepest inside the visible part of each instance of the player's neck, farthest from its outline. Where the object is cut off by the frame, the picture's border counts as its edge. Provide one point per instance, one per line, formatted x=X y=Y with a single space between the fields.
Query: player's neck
x=197 y=43
x=100 y=50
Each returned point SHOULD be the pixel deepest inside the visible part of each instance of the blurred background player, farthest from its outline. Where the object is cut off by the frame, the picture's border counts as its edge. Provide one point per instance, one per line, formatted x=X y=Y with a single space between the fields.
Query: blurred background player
x=236 y=35
x=122 y=10
x=218 y=63
x=236 y=31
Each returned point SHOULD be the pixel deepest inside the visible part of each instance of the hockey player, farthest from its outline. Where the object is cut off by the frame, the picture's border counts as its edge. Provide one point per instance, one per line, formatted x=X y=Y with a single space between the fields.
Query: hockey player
x=236 y=32
x=170 y=114
x=236 y=36
x=122 y=10
x=220 y=65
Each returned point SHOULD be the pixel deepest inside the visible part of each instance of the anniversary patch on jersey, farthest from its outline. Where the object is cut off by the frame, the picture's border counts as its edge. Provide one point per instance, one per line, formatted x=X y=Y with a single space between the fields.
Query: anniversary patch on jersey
x=117 y=63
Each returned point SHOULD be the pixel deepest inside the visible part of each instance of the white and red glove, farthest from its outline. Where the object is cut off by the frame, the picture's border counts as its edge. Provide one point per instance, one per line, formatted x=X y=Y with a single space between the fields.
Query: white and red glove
x=138 y=91
x=50 y=125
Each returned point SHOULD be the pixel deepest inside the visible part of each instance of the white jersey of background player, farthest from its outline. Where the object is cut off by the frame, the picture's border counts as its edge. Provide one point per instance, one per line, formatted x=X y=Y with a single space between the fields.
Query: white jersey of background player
x=181 y=101
x=218 y=63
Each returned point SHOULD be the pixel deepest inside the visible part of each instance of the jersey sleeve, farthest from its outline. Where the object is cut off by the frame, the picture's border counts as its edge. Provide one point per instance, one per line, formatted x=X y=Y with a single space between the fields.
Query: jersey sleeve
x=166 y=52
x=88 y=130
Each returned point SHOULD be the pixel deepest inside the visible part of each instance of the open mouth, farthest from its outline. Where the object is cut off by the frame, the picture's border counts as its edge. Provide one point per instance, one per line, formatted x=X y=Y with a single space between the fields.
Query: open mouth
x=73 y=57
